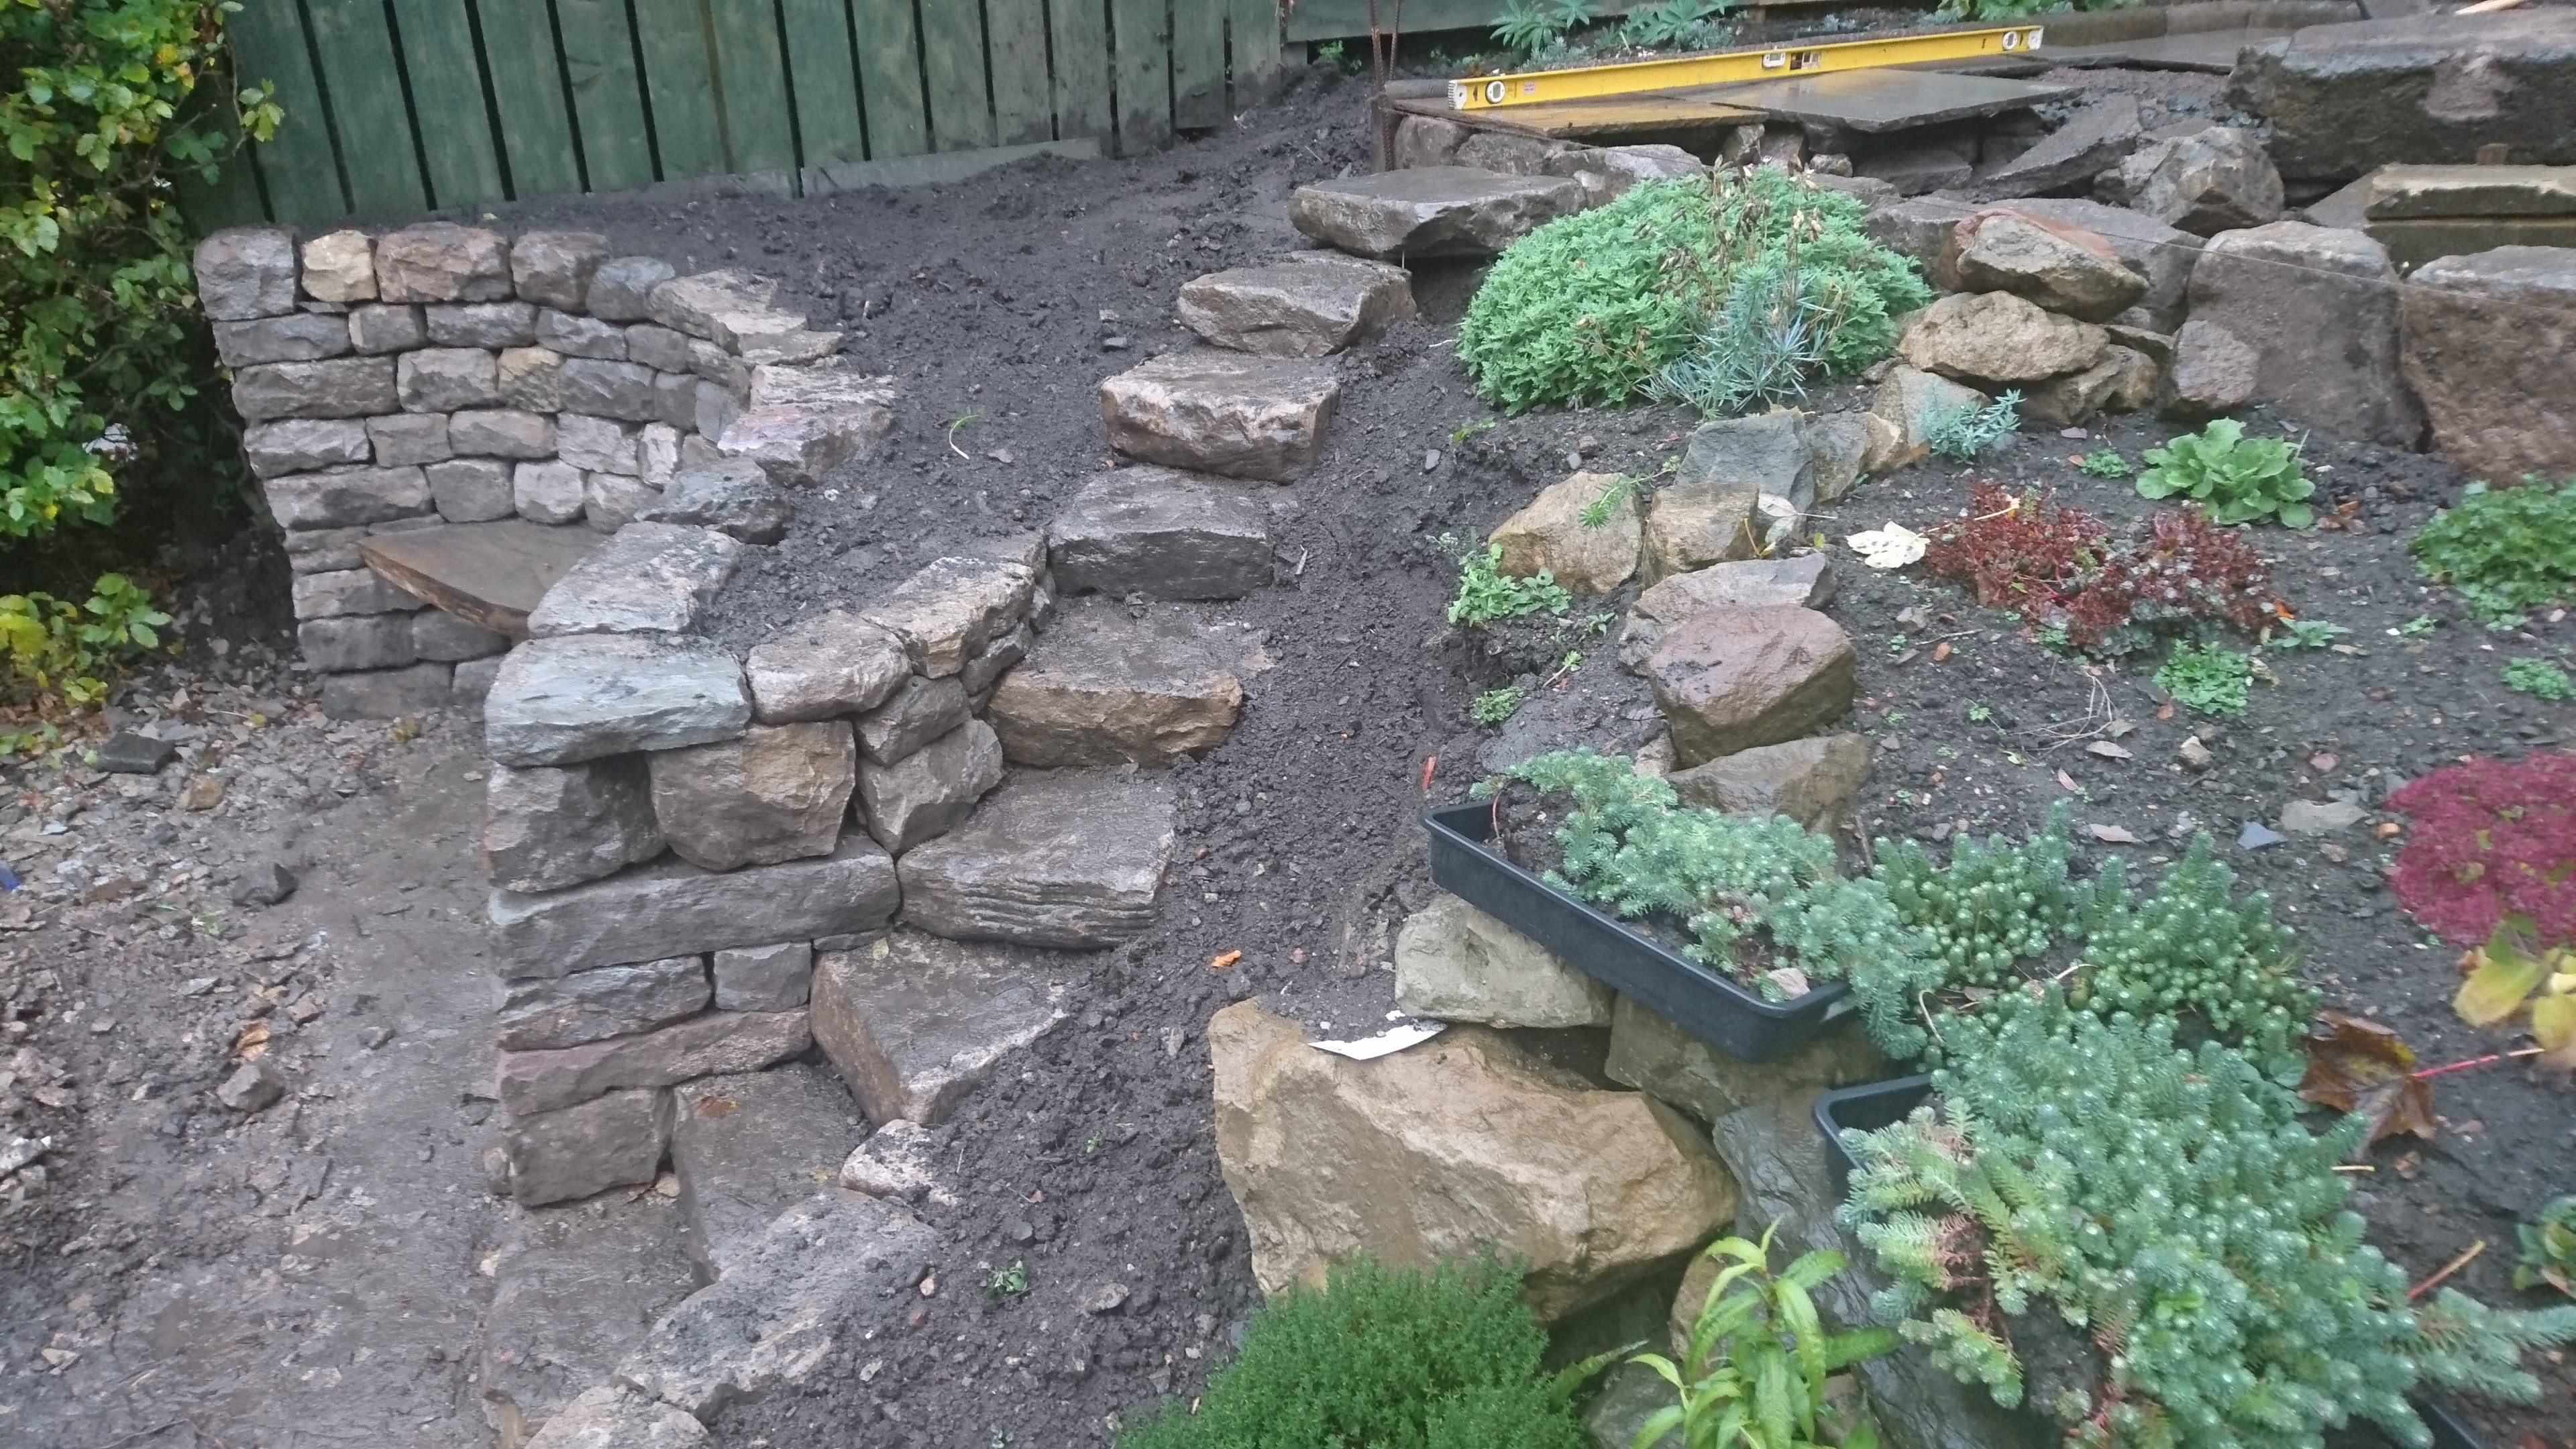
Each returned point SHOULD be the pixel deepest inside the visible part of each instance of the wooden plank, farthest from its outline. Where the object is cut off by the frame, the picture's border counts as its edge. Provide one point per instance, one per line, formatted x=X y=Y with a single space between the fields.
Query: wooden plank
x=751 y=76
x=1334 y=19
x=1198 y=63
x=364 y=84
x=1016 y=39
x=828 y=127
x=527 y=85
x=1252 y=36
x=952 y=57
x=488 y=574
x=447 y=101
x=889 y=41
x=607 y=95
x=1079 y=30
x=680 y=86
x=297 y=167
x=1142 y=44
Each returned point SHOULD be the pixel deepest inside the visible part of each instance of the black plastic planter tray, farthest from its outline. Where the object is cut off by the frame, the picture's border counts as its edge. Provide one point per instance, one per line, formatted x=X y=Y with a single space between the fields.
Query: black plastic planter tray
x=1874 y=1105
x=1700 y=1001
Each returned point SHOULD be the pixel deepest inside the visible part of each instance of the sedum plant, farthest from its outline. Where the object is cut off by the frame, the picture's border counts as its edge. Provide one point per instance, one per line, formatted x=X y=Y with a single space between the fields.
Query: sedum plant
x=1992 y=906
x=2507 y=550
x=2211 y=680
x=2539 y=678
x=1753 y=1372
x=2170 y=1210
x=1962 y=433
x=2196 y=952
x=2237 y=478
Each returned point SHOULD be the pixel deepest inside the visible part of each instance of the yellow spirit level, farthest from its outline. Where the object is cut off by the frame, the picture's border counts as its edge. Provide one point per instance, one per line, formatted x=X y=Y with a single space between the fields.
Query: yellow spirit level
x=1592 y=82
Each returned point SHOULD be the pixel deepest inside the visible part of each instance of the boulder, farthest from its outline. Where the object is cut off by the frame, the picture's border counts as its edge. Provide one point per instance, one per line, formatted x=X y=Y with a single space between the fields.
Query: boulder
x=1814 y=781
x=1655 y=1056
x=647 y=578
x=440 y=261
x=1430 y=211
x=929 y=792
x=1692 y=525
x=732 y=496
x=547 y=827
x=559 y=701
x=2213 y=180
x=1070 y=858
x=2160 y=253
x=919 y=711
x=702 y=1046
x=1453 y=1148
x=246 y=272
x=1912 y=403
x=916 y=1023
x=1806 y=581
x=555 y=268
x=835 y=663
x=1106 y=688
x=1161 y=533
x=603 y=1002
x=1455 y=963
x=2213 y=372
x=1222 y=412
x=673 y=907
x=612 y=1140
x=2487 y=339
x=1998 y=338
x=2093 y=140
x=1308 y=304
x=2319 y=308
x=2342 y=99
x=776 y=792
x=1550 y=533
x=2062 y=268
x=946 y=613
x=1730 y=679
x=1839 y=447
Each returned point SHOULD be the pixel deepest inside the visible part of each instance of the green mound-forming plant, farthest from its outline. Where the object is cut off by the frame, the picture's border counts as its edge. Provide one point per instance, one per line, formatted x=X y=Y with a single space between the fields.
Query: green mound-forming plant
x=2548 y=1248
x=2197 y=952
x=2212 y=680
x=1487 y=594
x=1992 y=906
x=2538 y=677
x=1387 y=1358
x=2105 y=463
x=2235 y=478
x=2507 y=550
x=1593 y=307
x=2171 y=1210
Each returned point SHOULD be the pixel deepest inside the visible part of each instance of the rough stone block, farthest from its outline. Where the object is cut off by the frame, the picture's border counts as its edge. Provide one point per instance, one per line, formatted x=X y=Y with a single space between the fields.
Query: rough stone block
x=776 y=793
x=718 y=410
x=2320 y=309
x=672 y=906
x=1694 y=524
x=916 y=1023
x=1913 y=403
x=801 y=423
x=572 y=1294
x=1731 y=679
x=340 y=267
x=999 y=657
x=675 y=400
x=547 y=492
x=482 y=324
x=1998 y=338
x=1813 y=781
x=613 y=1141
x=246 y=272
x=764 y=978
x=375 y=330
x=1071 y=858
x=596 y=445
x=2342 y=99
x=407 y=438
x=442 y=262
x=690 y=304
x=614 y=1417
x=443 y=379
x=346 y=497
x=296 y=337
x=1551 y=534
x=369 y=641
x=298 y=444
x=1246 y=417
x=603 y=1002
x=929 y=792
x=2162 y=254
x=732 y=496
x=1653 y=1055
x=1305 y=305
x=657 y=347
x=748 y=1147
x=559 y=701
x=1806 y=581
x=2063 y=268
x=600 y=388
x=387 y=693
x=711 y=361
x=610 y=502
x=531 y=379
x=2487 y=339
x=621 y=287
x=2092 y=141
x=2214 y=372
x=1161 y=533
x=555 y=268
x=657 y=461
x=471 y=683
x=343 y=592
x=324 y=550
x=501 y=433
x=1430 y=211
x=946 y=613
x=647 y=578
x=920 y=710
x=338 y=387
x=1455 y=963
x=546 y=827
x=436 y=634
x=725 y=1041
x=2213 y=180
x=1104 y=688
x=832 y=664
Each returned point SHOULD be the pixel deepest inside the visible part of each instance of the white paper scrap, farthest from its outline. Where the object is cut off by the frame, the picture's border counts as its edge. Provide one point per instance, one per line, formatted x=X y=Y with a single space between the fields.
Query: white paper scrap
x=1394 y=1039
x=1892 y=547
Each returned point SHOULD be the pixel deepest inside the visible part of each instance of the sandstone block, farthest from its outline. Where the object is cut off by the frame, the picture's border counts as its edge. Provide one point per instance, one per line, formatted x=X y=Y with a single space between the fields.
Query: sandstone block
x=342 y=592
x=371 y=641
x=1731 y=679
x=918 y=711
x=690 y=304
x=1456 y=1147
x=732 y=496
x=621 y=288
x=1806 y=581
x=1455 y=963
x=2162 y=254
x=2063 y=268
x=764 y=978
x=375 y=329
x=386 y=693
x=915 y=1023
x=2320 y=309
x=1655 y=1056
x=2485 y=341
x=800 y=423
x=1550 y=533
x=952 y=608
x=603 y=1002
x=1839 y=452
x=346 y=497
x=832 y=664
x=1692 y=525
x=612 y=1141
x=1996 y=337
x=246 y=272
x=1912 y=404
x=296 y=445
x=1070 y=858
x=1246 y=417
x=725 y=1041
x=2214 y=180
x=546 y=492
x=406 y=438
x=2063 y=402
x=443 y=379
x=546 y=827
x=560 y=701
x=776 y=793
x=531 y=379
x=647 y=578
x=481 y=324
x=1430 y=211
x=1813 y=781
x=555 y=268
x=596 y=445
x=1161 y=533
x=1308 y=305
x=1104 y=688
x=671 y=906
x=2214 y=371
x=339 y=387
x=295 y=337
x=442 y=262
x=621 y=390
x=930 y=791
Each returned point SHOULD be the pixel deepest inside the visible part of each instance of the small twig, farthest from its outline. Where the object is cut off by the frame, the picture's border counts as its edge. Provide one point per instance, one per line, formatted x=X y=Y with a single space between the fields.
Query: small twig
x=2353 y=1167
x=1923 y=1003
x=1301 y=564
x=2447 y=1269
x=2477 y=1062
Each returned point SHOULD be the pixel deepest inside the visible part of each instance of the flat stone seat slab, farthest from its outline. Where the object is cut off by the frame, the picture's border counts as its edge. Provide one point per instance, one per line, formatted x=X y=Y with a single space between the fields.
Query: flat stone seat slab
x=1222 y=412
x=1430 y=211
x=672 y=908
x=1305 y=305
x=648 y=578
x=1070 y=858
x=2426 y=191
x=915 y=1023
x=1883 y=100
x=582 y=697
x=1105 y=688
x=488 y=574
x=1161 y=533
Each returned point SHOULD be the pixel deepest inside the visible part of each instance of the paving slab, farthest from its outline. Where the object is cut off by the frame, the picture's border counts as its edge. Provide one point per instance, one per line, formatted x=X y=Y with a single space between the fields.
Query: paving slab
x=748 y=1146
x=915 y=1023
x=1878 y=101
x=489 y=574
x=573 y=1294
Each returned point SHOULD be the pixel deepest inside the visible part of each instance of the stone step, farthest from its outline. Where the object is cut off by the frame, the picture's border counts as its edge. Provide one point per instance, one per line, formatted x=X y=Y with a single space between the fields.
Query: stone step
x=1306 y=304
x=1222 y=412
x=648 y=578
x=488 y=574
x=1730 y=679
x=572 y=1295
x=1430 y=211
x=915 y=1023
x=749 y=1146
x=1161 y=533
x=1070 y=858
x=1805 y=582
x=1102 y=687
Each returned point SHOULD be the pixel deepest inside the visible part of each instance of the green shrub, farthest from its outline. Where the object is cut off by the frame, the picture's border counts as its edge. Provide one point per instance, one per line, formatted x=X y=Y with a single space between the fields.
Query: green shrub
x=2548 y=1248
x=1386 y=1358
x=103 y=345
x=1753 y=1375
x=1594 y=307
x=1676 y=25
x=2236 y=479
x=2212 y=680
x=2507 y=550
x=1486 y=594
x=2011 y=10
x=1534 y=27
x=61 y=649
x=2539 y=677
x=1962 y=434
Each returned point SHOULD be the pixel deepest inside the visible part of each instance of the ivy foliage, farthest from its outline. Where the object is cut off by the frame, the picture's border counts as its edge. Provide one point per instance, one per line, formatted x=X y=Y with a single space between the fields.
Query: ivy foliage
x=102 y=345
x=2507 y=550
x=2168 y=1206
x=54 y=646
x=1595 y=307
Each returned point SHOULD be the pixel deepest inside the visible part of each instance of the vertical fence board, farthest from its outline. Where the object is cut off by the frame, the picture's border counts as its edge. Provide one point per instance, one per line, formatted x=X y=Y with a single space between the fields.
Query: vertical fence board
x=303 y=181
x=607 y=95
x=1198 y=63
x=1080 y=32
x=447 y=101
x=827 y=90
x=952 y=54
x=232 y=198
x=680 y=85
x=1144 y=60
x=536 y=118
x=1023 y=105
x=752 y=79
x=1254 y=27
x=365 y=83
x=890 y=77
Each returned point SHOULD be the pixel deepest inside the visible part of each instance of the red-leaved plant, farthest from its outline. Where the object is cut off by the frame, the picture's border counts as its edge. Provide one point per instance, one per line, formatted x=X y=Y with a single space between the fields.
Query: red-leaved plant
x=2490 y=864
x=2063 y=569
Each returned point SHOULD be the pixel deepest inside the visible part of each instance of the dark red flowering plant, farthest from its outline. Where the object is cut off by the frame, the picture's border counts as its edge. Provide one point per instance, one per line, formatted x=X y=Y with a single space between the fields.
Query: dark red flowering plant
x=2490 y=864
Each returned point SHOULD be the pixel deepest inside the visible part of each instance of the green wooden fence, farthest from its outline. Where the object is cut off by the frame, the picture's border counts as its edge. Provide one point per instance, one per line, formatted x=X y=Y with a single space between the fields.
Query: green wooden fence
x=398 y=106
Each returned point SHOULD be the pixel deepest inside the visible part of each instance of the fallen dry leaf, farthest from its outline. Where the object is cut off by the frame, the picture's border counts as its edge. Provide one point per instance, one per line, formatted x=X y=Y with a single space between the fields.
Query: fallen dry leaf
x=2165 y=710
x=2067 y=783
x=2108 y=750
x=1892 y=547
x=1941 y=652
x=1219 y=963
x=2360 y=1066
x=2110 y=835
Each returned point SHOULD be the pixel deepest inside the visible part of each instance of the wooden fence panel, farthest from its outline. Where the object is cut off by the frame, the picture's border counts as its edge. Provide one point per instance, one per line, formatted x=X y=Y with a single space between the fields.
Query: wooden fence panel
x=751 y=77
x=296 y=169
x=363 y=89
x=819 y=62
x=1079 y=34
x=1198 y=66
x=889 y=40
x=1143 y=46
x=680 y=86
x=527 y=88
x=447 y=102
x=1016 y=38
x=607 y=94
x=1253 y=49
x=952 y=56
